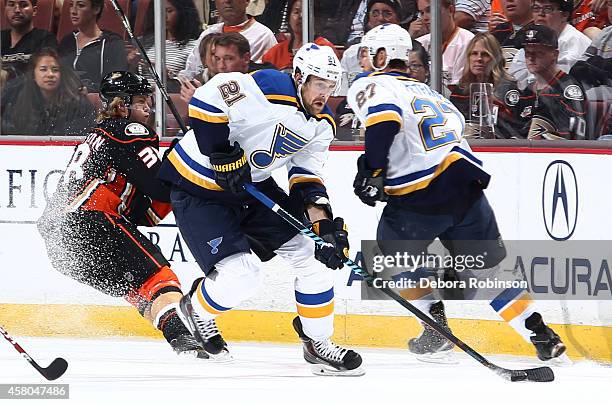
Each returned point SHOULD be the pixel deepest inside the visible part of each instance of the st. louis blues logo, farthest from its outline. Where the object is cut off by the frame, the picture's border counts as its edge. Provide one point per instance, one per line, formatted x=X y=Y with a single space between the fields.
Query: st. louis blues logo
x=284 y=143
x=214 y=244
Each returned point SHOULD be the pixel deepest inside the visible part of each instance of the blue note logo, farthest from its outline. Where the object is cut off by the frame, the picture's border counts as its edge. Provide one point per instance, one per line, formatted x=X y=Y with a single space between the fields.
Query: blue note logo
x=285 y=143
x=214 y=244
x=560 y=200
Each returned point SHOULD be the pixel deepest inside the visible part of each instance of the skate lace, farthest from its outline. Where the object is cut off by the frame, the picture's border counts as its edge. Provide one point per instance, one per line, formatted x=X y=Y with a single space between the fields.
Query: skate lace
x=329 y=350
x=206 y=328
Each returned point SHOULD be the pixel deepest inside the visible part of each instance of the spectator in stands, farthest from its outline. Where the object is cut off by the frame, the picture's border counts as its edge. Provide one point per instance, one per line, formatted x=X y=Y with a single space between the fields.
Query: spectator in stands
x=506 y=28
x=473 y=15
x=21 y=40
x=182 y=32
x=418 y=64
x=275 y=16
x=553 y=106
x=454 y=40
x=554 y=14
x=92 y=52
x=189 y=86
x=406 y=12
x=485 y=63
x=49 y=101
x=281 y=55
x=235 y=19
x=377 y=12
x=589 y=17
x=231 y=52
x=594 y=74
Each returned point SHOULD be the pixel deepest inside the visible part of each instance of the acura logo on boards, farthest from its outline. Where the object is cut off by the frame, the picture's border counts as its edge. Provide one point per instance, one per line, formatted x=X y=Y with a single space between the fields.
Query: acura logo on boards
x=560 y=200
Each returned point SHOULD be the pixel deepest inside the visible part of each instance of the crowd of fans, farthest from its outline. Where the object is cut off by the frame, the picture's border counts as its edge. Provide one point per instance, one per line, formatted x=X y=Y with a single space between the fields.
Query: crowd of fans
x=536 y=69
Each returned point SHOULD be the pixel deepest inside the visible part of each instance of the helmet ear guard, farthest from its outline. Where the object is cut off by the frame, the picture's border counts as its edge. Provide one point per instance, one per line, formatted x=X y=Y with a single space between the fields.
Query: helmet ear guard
x=395 y=40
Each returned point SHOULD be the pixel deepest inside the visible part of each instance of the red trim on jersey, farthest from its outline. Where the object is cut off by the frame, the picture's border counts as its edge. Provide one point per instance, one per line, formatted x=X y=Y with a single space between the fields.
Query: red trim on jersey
x=129 y=234
x=122 y=141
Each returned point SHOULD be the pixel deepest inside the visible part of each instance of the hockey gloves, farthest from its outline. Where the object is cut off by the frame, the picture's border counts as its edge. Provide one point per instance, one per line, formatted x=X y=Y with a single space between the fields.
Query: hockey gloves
x=336 y=250
x=369 y=183
x=232 y=169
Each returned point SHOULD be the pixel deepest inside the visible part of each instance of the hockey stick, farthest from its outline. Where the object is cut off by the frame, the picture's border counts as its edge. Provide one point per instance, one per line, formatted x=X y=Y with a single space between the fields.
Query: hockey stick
x=162 y=89
x=55 y=370
x=540 y=374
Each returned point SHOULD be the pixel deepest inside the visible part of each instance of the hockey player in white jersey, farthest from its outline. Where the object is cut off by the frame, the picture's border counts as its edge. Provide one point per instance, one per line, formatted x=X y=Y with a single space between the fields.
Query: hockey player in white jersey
x=243 y=126
x=417 y=160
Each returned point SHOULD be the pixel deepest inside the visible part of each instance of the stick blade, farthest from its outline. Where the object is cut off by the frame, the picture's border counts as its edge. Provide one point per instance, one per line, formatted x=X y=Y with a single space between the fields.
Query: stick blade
x=540 y=374
x=56 y=369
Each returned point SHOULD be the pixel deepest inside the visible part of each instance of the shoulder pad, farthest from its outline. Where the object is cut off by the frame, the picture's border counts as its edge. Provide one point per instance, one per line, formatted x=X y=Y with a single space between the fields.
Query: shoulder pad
x=273 y=82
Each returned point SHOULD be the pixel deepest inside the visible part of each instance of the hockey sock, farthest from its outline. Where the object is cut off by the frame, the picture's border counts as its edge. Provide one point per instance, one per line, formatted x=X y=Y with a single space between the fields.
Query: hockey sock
x=168 y=321
x=514 y=306
x=424 y=303
x=316 y=312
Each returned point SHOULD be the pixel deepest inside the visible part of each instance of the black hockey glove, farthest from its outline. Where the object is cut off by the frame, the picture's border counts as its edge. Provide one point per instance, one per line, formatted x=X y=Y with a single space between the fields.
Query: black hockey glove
x=232 y=169
x=369 y=183
x=335 y=233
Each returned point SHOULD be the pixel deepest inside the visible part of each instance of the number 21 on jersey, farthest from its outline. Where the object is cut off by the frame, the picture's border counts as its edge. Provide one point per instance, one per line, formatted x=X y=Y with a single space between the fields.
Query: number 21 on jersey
x=433 y=115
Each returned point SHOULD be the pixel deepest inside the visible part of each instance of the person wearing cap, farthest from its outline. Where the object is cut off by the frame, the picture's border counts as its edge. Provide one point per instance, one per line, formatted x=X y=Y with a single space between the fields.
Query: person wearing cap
x=554 y=14
x=454 y=39
x=553 y=105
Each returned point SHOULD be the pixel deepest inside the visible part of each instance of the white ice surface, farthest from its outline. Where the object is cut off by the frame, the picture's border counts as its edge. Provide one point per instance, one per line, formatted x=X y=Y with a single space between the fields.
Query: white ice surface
x=146 y=372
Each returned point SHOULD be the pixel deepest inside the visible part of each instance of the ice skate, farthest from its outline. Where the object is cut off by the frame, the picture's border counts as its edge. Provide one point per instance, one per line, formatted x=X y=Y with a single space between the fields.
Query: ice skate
x=547 y=343
x=205 y=332
x=431 y=347
x=187 y=345
x=328 y=359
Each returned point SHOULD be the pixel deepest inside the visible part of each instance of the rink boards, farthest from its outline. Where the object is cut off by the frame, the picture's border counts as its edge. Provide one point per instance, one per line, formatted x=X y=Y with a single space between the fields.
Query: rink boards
x=36 y=300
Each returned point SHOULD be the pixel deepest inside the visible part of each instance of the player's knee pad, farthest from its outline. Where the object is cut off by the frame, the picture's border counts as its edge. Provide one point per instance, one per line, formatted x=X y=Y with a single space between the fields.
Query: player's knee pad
x=162 y=281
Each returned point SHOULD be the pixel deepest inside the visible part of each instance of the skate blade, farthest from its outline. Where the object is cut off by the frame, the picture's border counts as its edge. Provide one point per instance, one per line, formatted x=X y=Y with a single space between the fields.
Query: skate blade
x=561 y=361
x=198 y=354
x=445 y=357
x=327 y=371
x=222 y=357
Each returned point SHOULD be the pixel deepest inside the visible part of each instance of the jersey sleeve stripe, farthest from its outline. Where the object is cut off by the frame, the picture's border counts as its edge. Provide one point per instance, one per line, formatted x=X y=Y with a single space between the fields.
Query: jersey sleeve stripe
x=204 y=116
x=384 y=107
x=383 y=116
x=280 y=97
x=201 y=105
x=191 y=170
x=300 y=175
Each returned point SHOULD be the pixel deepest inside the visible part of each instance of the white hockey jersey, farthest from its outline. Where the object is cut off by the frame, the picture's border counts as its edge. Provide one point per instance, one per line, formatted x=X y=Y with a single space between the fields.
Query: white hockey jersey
x=430 y=144
x=261 y=112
